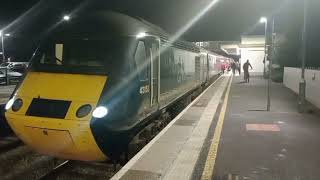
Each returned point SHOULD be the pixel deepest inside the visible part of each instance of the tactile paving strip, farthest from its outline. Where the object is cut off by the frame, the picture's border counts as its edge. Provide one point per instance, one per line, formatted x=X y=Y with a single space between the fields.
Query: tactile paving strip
x=262 y=127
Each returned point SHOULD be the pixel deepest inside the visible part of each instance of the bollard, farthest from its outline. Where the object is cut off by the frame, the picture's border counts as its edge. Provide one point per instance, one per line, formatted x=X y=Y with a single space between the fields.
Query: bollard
x=302 y=96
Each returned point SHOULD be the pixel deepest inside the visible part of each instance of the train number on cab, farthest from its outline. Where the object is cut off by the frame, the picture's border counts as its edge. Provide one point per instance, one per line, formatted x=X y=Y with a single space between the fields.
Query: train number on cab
x=144 y=89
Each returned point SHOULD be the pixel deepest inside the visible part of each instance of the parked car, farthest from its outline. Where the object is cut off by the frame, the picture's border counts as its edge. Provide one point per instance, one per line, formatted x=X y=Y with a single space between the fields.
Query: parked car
x=15 y=66
x=12 y=74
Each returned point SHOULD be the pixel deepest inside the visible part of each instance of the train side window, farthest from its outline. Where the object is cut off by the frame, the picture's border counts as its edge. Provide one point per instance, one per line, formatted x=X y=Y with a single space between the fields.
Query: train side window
x=141 y=61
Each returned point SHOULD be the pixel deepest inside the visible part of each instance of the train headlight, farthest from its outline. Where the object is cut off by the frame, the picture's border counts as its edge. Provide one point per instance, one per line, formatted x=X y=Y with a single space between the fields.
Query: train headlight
x=9 y=104
x=83 y=111
x=100 y=112
x=17 y=104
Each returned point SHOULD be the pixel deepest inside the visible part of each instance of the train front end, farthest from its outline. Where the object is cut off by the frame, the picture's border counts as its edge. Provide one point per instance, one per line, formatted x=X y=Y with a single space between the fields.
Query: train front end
x=61 y=106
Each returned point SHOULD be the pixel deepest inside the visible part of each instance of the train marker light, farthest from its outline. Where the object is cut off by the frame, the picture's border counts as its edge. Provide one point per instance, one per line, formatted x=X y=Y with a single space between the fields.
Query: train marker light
x=83 y=111
x=9 y=104
x=141 y=35
x=100 y=112
x=16 y=106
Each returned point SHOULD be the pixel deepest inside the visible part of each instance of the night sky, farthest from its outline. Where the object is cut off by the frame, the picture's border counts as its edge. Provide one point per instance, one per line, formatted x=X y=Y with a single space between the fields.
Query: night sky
x=226 y=21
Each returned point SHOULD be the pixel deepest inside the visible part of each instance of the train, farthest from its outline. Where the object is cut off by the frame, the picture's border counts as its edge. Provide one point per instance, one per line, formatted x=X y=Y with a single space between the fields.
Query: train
x=97 y=80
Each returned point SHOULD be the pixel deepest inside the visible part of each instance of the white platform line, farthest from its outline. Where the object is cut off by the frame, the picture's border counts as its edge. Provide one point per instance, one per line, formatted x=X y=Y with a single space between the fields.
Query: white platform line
x=185 y=162
x=213 y=150
x=128 y=166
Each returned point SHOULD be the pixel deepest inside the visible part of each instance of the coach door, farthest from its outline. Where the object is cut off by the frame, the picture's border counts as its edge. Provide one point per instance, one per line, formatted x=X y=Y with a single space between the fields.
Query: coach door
x=143 y=68
x=154 y=71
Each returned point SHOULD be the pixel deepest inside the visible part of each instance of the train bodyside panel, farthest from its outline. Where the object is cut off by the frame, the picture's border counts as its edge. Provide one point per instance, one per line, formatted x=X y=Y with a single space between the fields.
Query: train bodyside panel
x=177 y=73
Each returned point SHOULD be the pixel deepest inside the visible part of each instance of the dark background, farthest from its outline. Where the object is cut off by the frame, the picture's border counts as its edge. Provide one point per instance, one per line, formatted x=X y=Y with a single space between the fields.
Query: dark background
x=27 y=20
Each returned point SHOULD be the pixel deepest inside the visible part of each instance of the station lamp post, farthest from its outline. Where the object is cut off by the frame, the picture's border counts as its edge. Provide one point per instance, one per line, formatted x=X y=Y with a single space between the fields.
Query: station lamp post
x=302 y=83
x=2 y=35
x=265 y=21
x=2 y=46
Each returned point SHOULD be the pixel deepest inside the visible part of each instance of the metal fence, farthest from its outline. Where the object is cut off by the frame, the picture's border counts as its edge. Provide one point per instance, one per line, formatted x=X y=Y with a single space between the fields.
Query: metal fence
x=313 y=68
x=9 y=76
x=4 y=77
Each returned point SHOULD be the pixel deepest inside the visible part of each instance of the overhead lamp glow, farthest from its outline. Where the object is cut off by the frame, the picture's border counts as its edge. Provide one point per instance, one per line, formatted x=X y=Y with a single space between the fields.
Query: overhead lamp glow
x=100 y=112
x=9 y=104
x=66 y=18
x=7 y=34
x=263 y=20
x=141 y=35
x=0 y=33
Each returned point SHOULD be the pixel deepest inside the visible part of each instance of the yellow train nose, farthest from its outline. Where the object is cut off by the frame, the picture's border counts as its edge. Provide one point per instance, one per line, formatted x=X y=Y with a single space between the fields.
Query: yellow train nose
x=48 y=122
x=68 y=139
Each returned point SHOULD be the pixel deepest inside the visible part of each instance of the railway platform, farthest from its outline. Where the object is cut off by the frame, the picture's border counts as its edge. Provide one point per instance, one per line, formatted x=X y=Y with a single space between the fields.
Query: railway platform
x=226 y=134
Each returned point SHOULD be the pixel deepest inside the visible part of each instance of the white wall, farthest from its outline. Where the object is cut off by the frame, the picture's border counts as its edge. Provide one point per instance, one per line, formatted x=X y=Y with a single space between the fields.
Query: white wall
x=292 y=78
x=252 y=49
x=255 y=56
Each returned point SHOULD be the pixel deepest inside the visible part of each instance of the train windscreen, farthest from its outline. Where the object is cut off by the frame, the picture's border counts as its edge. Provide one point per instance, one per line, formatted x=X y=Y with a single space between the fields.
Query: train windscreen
x=81 y=55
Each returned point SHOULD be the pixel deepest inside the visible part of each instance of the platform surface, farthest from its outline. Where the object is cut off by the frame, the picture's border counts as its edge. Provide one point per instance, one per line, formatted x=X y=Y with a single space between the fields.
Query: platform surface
x=226 y=134
x=258 y=145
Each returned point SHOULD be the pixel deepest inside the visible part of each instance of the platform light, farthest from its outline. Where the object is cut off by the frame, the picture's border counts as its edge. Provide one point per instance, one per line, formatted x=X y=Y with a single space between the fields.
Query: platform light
x=141 y=35
x=263 y=20
x=100 y=112
x=7 y=34
x=66 y=18
x=0 y=33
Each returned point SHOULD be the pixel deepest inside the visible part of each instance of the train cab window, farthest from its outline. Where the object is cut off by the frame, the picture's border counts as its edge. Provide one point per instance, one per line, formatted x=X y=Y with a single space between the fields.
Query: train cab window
x=141 y=61
x=81 y=55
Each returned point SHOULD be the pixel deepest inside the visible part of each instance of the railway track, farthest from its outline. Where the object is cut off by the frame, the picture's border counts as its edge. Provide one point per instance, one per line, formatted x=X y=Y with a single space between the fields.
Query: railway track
x=69 y=170
x=9 y=143
x=52 y=174
x=23 y=163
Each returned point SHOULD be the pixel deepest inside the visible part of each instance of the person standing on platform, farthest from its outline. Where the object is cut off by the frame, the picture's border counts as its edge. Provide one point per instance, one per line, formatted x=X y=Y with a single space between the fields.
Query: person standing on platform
x=233 y=67
x=223 y=67
x=246 y=71
x=238 y=66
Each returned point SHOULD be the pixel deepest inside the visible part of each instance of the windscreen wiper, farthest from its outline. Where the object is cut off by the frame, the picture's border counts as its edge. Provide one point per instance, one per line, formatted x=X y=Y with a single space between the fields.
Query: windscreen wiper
x=58 y=59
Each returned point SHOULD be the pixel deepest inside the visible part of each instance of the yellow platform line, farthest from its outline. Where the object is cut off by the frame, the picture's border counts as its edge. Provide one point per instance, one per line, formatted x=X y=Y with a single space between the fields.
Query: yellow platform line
x=212 y=155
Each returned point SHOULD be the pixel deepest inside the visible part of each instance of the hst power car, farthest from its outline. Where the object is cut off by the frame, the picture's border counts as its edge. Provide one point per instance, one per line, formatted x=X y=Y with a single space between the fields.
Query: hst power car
x=96 y=80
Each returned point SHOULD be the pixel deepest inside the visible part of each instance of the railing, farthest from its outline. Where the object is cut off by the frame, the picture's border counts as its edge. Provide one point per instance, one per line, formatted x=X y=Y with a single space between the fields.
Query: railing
x=4 y=77
x=313 y=68
x=308 y=67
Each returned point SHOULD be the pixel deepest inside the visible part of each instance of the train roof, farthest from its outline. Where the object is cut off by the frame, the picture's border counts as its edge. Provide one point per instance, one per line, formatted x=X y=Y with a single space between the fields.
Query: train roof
x=109 y=23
